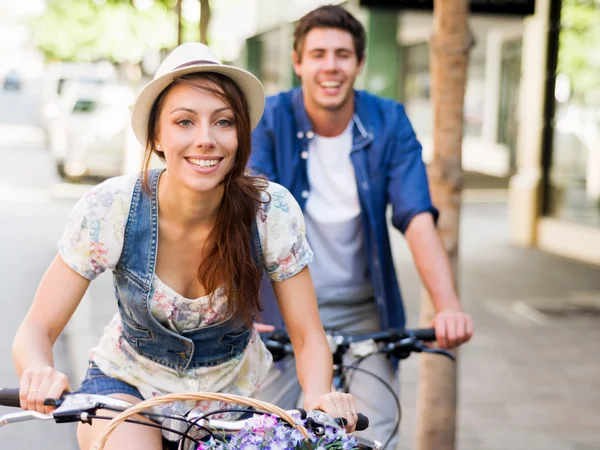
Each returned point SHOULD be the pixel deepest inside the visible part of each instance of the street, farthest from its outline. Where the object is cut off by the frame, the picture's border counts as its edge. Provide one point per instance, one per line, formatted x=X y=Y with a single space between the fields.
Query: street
x=528 y=380
x=34 y=205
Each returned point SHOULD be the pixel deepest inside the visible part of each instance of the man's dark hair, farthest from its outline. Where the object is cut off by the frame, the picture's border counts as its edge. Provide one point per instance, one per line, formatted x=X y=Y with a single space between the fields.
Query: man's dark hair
x=330 y=16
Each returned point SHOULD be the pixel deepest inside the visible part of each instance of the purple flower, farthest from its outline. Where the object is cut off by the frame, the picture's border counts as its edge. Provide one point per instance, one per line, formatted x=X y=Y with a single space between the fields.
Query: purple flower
x=266 y=432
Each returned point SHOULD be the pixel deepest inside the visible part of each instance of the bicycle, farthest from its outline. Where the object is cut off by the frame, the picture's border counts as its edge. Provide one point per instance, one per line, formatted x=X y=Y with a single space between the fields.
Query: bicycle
x=398 y=343
x=178 y=432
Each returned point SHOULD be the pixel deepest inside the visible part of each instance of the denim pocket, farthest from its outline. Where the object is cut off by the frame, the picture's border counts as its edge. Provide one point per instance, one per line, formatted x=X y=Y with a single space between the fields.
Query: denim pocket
x=135 y=331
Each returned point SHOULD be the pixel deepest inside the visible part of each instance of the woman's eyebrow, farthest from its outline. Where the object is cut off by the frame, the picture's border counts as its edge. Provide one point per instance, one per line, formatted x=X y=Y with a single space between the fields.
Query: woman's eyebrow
x=224 y=108
x=181 y=108
x=193 y=111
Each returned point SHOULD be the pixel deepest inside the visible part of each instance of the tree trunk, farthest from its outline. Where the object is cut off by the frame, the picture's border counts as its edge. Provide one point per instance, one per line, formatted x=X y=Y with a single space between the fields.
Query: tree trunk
x=204 y=20
x=179 y=22
x=449 y=49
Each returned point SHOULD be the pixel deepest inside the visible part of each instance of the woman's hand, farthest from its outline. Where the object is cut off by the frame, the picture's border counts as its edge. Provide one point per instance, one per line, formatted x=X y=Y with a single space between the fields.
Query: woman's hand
x=263 y=327
x=39 y=384
x=337 y=405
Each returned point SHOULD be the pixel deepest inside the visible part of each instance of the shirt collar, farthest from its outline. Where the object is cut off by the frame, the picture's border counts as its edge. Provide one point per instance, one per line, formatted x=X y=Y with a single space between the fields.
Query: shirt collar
x=361 y=136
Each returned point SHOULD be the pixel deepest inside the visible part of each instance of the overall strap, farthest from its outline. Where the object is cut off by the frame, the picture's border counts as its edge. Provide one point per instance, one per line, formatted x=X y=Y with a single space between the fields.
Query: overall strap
x=256 y=247
x=138 y=257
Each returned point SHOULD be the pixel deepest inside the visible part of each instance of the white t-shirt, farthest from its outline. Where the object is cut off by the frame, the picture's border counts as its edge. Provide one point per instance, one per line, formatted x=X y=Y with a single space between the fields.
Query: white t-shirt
x=92 y=243
x=333 y=222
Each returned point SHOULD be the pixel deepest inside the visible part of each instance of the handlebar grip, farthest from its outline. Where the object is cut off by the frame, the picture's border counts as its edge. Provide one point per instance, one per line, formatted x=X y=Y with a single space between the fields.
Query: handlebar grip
x=425 y=334
x=362 y=422
x=10 y=397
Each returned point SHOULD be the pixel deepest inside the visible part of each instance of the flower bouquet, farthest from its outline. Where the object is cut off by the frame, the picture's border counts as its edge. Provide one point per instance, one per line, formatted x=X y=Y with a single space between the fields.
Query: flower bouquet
x=267 y=432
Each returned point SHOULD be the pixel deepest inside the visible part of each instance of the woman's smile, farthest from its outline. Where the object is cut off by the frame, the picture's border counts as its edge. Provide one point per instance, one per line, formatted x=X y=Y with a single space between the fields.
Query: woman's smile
x=205 y=165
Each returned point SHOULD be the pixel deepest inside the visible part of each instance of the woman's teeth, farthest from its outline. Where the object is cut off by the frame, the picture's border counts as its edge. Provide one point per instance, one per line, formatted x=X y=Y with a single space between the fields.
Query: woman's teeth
x=330 y=84
x=204 y=162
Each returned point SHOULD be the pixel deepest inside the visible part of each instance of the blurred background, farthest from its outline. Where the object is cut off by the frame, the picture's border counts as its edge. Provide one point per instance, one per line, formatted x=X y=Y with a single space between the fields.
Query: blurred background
x=530 y=224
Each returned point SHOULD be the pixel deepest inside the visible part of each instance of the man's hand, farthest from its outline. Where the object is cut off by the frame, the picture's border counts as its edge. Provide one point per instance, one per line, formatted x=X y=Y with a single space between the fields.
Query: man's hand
x=452 y=328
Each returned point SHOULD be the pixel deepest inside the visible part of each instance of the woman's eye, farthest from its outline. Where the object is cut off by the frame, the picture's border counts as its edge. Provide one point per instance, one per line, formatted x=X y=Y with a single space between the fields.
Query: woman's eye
x=224 y=123
x=185 y=123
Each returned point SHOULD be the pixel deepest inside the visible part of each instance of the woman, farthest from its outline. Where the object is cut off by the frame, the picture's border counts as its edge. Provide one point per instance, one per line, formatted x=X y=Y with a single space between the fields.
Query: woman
x=187 y=247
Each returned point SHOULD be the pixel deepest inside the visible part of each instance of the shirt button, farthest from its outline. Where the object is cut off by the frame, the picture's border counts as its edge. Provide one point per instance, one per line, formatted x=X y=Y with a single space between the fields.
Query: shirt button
x=300 y=135
x=310 y=134
x=304 y=194
x=304 y=155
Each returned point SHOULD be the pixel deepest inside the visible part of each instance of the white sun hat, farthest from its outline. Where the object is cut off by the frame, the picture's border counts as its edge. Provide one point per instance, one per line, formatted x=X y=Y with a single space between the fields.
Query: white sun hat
x=193 y=57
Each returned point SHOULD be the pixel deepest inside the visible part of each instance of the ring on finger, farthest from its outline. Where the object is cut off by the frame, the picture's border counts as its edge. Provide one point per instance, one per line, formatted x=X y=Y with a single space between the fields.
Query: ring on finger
x=33 y=390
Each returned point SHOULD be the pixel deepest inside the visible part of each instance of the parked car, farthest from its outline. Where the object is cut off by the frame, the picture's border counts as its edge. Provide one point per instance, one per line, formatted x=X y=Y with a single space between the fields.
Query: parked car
x=91 y=131
x=57 y=78
x=12 y=80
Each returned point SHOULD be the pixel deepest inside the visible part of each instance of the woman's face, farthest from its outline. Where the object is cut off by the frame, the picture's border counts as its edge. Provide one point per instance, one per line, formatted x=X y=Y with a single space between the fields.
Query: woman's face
x=198 y=135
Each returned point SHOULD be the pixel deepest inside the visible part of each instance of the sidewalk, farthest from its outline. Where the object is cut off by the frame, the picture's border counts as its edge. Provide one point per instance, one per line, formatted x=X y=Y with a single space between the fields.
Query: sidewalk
x=528 y=380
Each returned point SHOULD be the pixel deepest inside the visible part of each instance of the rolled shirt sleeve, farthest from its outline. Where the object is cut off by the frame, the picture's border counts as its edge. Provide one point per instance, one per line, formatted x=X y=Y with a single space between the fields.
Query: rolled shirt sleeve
x=408 y=187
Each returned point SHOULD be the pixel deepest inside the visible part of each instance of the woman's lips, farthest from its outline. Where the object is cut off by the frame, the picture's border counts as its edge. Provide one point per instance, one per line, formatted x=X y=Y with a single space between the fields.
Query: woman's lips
x=195 y=164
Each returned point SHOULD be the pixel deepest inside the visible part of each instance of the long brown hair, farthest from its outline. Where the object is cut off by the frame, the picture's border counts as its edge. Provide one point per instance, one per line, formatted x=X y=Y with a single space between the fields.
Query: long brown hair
x=230 y=259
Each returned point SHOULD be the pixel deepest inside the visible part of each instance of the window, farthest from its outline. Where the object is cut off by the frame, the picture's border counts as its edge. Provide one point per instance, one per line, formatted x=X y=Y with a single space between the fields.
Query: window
x=575 y=172
x=510 y=80
x=84 y=106
x=417 y=86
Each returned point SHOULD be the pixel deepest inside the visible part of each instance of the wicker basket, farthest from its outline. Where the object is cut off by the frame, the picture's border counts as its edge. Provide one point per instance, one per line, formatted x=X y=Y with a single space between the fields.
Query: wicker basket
x=236 y=399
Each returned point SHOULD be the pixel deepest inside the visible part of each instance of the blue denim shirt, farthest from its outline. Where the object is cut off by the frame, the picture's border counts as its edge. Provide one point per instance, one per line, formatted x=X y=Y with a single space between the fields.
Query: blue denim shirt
x=205 y=346
x=389 y=170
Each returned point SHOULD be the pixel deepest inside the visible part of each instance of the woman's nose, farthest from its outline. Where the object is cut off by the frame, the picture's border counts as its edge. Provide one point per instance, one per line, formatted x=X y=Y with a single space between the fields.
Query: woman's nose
x=205 y=137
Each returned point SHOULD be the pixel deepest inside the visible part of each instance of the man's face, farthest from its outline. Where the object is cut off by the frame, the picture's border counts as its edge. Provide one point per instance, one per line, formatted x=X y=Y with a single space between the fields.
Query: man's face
x=328 y=67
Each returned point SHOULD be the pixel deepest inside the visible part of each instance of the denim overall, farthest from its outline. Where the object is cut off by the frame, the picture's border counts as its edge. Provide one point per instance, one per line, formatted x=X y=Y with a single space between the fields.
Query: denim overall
x=205 y=346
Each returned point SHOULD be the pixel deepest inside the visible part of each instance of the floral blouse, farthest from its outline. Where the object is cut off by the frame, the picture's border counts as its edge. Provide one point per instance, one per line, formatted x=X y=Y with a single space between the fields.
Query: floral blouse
x=92 y=243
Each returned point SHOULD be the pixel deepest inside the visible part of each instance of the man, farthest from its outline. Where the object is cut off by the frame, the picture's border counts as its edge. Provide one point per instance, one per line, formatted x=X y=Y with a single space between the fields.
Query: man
x=345 y=155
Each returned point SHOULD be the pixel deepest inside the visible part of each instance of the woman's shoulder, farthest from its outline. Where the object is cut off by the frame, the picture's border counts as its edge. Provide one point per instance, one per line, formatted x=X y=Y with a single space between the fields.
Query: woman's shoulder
x=275 y=193
x=282 y=233
x=111 y=192
x=277 y=205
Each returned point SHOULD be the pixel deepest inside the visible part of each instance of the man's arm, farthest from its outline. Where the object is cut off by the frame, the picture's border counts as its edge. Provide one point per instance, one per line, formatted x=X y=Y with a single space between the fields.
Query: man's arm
x=453 y=327
x=414 y=215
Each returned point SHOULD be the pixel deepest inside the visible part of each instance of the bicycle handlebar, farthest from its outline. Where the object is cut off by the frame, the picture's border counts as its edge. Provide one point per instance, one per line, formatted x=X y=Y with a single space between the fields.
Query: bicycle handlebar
x=73 y=407
x=10 y=397
x=391 y=335
x=398 y=342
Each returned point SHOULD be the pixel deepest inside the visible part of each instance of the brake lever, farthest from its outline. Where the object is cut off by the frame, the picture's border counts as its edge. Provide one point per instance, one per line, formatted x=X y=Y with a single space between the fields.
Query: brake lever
x=405 y=347
x=317 y=421
x=78 y=407
x=421 y=347
x=23 y=416
x=440 y=351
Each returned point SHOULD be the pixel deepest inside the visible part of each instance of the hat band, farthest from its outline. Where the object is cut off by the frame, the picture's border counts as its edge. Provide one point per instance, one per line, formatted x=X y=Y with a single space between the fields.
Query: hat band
x=193 y=63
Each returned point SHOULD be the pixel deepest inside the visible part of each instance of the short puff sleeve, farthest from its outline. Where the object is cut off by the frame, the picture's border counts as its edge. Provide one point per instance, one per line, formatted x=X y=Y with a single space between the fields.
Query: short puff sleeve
x=282 y=234
x=93 y=239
